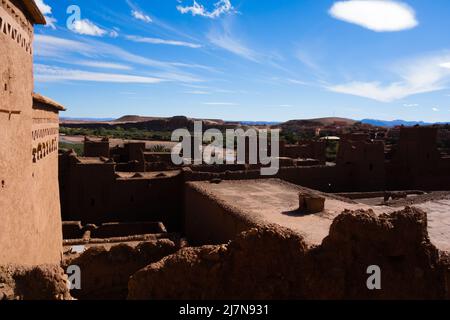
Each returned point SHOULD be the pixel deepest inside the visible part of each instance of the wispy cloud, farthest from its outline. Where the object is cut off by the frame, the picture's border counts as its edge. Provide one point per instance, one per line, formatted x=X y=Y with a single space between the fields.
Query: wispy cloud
x=139 y=15
x=298 y=82
x=220 y=7
x=47 y=11
x=435 y=109
x=198 y=92
x=162 y=41
x=45 y=73
x=415 y=76
x=220 y=104
x=103 y=65
x=410 y=105
x=223 y=38
x=375 y=15
x=71 y=51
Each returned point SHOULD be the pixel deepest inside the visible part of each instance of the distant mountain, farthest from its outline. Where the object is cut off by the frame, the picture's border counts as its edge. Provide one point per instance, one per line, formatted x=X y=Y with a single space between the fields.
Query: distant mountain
x=258 y=123
x=394 y=123
x=320 y=122
x=64 y=119
x=134 y=118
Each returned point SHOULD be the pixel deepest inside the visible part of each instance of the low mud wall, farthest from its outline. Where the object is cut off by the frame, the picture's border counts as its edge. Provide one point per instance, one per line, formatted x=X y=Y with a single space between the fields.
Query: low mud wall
x=269 y=262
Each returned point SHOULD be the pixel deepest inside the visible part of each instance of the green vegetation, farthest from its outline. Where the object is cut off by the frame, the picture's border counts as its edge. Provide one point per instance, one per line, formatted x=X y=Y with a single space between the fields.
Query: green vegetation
x=118 y=133
x=78 y=147
x=159 y=148
x=331 y=150
x=293 y=137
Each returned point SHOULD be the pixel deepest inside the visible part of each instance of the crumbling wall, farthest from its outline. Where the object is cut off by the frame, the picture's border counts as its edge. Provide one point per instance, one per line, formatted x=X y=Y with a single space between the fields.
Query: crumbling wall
x=44 y=282
x=105 y=273
x=270 y=262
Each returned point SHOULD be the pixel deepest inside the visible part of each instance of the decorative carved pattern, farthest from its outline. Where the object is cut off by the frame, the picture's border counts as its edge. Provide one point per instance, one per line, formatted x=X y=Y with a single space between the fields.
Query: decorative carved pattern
x=44 y=149
x=10 y=29
x=44 y=132
x=20 y=19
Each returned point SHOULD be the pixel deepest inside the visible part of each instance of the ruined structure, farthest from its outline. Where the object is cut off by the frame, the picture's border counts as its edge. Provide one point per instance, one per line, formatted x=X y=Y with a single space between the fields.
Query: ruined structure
x=272 y=262
x=30 y=231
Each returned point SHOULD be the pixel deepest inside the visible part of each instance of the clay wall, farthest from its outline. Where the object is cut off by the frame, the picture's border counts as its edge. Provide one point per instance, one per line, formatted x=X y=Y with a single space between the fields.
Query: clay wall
x=361 y=163
x=45 y=195
x=96 y=148
x=416 y=161
x=27 y=230
x=209 y=221
x=305 y=149
x=94 y=193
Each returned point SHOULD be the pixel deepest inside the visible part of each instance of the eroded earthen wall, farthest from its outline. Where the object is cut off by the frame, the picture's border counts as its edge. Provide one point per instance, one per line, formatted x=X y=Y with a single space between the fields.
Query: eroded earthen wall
x=270 y=262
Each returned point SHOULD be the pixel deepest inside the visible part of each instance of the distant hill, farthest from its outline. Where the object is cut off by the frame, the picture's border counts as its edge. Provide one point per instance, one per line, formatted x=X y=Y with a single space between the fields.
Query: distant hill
x=68 y=119
x=394 y=123
x=258 y=123
x=320 y=122
x=134 y=118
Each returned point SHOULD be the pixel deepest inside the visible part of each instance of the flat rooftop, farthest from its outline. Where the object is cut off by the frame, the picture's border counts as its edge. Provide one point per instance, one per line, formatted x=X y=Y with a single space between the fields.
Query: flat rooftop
x=276 y=201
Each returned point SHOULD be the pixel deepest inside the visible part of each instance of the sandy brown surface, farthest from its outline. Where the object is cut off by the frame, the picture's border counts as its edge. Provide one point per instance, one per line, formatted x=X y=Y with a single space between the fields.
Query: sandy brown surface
x=275 y=201
x=438 y=222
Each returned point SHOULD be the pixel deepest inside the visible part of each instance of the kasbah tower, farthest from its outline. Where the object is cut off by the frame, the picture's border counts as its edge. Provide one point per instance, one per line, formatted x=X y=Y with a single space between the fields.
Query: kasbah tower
x=30 y=217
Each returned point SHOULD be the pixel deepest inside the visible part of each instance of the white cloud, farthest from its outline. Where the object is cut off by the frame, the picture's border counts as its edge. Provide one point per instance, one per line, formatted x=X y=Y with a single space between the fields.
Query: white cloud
x=415 y=76
x=445 y=65
x=163 y=41
x=220 y=104
x=435 y=109
x=220 y=7
x=45 y=8
x=45 y=73
x=47 y=11
x=410 y=105
x=139 y=15
x=376 y=15
x=87 y=27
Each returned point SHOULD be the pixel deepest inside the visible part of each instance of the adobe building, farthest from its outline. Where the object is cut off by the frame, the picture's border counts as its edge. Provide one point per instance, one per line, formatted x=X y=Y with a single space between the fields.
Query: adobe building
x=30 y=228
x=416 y=161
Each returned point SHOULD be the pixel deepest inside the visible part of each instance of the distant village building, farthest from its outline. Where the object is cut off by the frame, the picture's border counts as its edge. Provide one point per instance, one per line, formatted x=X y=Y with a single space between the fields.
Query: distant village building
x=30 y=227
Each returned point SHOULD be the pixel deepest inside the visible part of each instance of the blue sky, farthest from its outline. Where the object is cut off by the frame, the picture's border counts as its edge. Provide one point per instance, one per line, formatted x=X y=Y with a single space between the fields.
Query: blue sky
x=271 y=60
